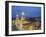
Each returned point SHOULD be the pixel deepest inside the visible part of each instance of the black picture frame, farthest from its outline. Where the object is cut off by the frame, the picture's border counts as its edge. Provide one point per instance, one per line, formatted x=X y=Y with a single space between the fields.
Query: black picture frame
x=7 y=17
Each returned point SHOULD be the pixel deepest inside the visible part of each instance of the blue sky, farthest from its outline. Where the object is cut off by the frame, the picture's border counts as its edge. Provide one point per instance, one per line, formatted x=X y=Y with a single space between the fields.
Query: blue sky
x=30 y=11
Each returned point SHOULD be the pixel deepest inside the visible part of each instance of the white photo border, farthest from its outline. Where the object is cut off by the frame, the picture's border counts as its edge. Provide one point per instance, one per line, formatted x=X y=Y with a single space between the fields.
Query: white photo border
x=25 y=4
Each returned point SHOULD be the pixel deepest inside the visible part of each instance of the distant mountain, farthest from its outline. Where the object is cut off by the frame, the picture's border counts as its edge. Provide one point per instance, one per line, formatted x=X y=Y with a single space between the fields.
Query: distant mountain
x=31 y=19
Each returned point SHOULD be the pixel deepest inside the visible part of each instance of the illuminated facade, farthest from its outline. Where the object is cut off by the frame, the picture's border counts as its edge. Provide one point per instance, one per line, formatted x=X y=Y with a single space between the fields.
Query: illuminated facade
x=18 y=22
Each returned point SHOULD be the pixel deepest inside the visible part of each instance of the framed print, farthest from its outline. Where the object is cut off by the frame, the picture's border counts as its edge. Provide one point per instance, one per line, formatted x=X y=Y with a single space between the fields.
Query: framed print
x=24 y=18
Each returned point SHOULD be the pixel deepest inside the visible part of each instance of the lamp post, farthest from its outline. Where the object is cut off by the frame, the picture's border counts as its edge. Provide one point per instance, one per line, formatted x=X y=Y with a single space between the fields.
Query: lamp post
x=22 y=17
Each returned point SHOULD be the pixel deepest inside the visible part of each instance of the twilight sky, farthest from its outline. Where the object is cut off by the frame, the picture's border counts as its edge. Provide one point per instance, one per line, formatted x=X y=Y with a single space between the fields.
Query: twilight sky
x=29 y=11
